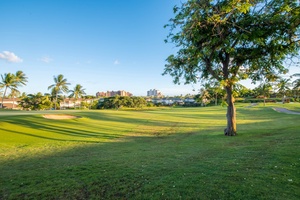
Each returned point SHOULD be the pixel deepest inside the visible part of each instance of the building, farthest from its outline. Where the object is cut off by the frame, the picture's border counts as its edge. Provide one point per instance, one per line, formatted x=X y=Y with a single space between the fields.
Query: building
x=154 y=93
x=101 y=94
x=113 y=93
x=73 y=103
x=10 y=103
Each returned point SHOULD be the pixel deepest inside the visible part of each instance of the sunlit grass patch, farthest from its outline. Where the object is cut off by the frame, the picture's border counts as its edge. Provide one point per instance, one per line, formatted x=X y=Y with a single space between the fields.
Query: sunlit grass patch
x=151 y=154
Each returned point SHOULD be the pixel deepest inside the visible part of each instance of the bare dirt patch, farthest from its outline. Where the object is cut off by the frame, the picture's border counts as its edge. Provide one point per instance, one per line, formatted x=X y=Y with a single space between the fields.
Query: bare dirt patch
x=58 y=116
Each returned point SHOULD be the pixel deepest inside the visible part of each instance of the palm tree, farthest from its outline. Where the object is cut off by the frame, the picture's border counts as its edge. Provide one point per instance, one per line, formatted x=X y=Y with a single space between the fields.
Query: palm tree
x=204 y=97
x=23 y=95
x=265 y=90
x=20 y=78
x=7 y=81
x=283 y=86
x=296 y=84
x=77 y=92
x=35 y=100
x=12 y=81
x=217 y=89
x=60 y=85
x=14 y=93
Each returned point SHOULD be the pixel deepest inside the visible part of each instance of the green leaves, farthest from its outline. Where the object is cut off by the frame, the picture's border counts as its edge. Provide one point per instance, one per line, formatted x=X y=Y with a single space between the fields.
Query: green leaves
x=77 y=92
x=244 y=7
x=60 y=85
x=253 y=34
x=12 y=81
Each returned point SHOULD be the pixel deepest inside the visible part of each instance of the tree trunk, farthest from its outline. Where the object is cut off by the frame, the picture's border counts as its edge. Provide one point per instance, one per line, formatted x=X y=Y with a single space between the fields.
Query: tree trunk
x=13 y=106
x=231 y=114
x=3 y=97
x=55 y=102
x=64 y=103
x=264 y=99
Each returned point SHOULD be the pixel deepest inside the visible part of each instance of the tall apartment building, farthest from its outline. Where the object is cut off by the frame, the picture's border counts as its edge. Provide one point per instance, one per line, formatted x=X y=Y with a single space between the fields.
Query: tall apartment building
x=154 y=93
x=101 y=94
x=113 y=93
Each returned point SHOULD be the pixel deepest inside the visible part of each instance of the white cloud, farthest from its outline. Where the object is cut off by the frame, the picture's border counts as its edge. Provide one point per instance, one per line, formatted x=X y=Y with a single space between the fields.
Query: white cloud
x=117 y=62
x=10 y=57
x=46 y=59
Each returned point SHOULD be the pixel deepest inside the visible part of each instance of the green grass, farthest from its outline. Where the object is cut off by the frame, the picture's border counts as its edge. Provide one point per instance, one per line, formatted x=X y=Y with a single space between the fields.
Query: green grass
x=171 y=153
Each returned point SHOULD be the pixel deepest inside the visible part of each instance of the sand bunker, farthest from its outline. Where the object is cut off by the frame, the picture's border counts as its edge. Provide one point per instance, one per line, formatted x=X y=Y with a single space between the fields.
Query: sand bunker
x=51 y=116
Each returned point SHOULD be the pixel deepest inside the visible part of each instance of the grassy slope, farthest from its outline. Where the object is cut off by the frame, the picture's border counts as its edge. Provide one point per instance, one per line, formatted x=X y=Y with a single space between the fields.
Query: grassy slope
x=176 y=153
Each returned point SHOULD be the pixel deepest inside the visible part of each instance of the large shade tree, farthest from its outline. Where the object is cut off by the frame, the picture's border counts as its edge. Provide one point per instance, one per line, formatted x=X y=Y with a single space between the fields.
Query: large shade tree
x=60 y=85
x=228 y=40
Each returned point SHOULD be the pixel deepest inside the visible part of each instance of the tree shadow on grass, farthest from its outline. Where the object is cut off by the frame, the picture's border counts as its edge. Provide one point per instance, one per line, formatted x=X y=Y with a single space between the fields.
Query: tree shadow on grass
x=39 y=127
x=186 y=165
x=95 y=128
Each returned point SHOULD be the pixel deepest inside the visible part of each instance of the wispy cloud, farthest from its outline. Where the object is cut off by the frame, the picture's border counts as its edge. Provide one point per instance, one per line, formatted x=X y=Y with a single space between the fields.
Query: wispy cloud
x=46 y=59
x=117 y=62
x=10 y=57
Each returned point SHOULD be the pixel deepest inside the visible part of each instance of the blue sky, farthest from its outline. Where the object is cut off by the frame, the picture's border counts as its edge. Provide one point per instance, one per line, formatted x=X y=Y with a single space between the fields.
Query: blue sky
x=100 y=44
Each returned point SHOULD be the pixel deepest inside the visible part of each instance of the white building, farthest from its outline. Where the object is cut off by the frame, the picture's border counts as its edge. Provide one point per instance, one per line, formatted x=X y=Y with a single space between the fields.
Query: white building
x=154 y=93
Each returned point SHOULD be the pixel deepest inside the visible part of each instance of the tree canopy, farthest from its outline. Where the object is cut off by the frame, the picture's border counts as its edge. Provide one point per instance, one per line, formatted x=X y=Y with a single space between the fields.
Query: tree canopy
x=77 y=92
x=60 y=85
x=12 y=81
x=230 y=40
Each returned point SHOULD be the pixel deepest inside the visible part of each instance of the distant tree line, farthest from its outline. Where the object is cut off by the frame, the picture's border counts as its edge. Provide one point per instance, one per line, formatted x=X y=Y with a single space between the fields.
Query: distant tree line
x=39 y=101
x=280 y=89
x=58 y=93
x=211 y=93
x=117 y=102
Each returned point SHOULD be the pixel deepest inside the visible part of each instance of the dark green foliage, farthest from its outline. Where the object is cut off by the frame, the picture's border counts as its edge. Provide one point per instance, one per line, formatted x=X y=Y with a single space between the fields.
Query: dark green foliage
x=118 y=102
x=35 y=102
x=217 y=38
x=60 y=86
x=230 y=40
x=12 y=81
